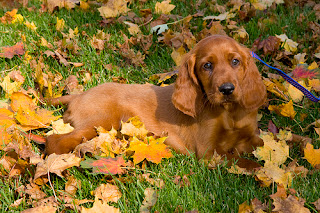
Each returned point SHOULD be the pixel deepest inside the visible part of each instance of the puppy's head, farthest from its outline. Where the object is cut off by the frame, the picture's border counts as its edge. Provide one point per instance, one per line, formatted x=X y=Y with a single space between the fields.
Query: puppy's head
x=219 y=71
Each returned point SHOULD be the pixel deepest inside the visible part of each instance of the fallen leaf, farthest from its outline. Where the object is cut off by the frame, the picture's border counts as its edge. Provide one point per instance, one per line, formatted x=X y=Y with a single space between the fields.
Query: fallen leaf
x=60 y=24
x=99 y=206
x=289 y=204
x=113 y=8
x=51 y=5
x=272 y=151
x=151 y=149
x=72 y=185
x=59 y=127
x=103 y=165
x=134 y=127
x=133 y=28
x=287 y=43
x=177 y=55
x=31 y=25
x=164 y=7
x=312 y=155
x=56 y=164
x=107 y=193
x=272 y=173
x=285 y=109
x=10 y=52
x=34 y=191
x=150 y=200
x=43 y=209
x=221 y=17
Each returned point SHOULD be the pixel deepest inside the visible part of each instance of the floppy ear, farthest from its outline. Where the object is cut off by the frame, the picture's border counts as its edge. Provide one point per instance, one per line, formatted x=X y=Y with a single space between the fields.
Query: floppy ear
x=253 y=88
x=186 y=95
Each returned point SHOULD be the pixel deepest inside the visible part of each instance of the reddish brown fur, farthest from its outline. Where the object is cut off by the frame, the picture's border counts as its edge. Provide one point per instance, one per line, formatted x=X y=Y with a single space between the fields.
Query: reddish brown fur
x=197 y=117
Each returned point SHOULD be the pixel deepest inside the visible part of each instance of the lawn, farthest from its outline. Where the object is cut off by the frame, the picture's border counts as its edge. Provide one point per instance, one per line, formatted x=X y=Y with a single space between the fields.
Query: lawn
x=42 y=46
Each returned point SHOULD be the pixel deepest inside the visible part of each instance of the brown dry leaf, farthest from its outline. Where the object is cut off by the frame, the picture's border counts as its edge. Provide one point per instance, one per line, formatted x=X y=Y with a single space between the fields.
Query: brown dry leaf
x=42 y=209
x=73 y=86
x=35 y=192
x=150 y=200
x=177 y=55
x=113 y=8
x=10 y=166
x=56 y=164
x=269 y=46
x=164 y=7
x=133 y=28
x=290 y=204
x=181 y=182
x=271 y=173
x=72 y=185
x=317 y=204
x=294 y=168
x=99 y=206
x=107 y=193
x=10 y=52
x=53 y=4
x=16 y=76
x=155 y=182
x=97 y=43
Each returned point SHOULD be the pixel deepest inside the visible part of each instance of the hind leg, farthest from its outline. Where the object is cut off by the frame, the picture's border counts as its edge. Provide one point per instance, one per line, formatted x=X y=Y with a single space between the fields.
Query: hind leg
x=64 y=143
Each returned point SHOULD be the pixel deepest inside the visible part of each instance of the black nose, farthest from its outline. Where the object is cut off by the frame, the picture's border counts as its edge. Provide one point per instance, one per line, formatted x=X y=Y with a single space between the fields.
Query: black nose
x=226 y=89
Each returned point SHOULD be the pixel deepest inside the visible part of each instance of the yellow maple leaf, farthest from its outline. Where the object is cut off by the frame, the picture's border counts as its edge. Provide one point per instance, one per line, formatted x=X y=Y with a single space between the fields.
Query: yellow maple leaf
x=113 y=8
x=9 y=87
x=272 y=152
x=177 y=55
x=31 y=25
x=313 y=66
x=271 y=173
x=285 y=109
x=164 y=7
x=134 y=127
x=133 y=28
x=295 y=93
x=284 y=135
x=312 y=155
x=315 y=84
x=110 y=144
x=287 y=43
x=151 y=149
x=60 y=24
x=17 y=18
x=272 y=87
x=20 y=100
x=59 y=127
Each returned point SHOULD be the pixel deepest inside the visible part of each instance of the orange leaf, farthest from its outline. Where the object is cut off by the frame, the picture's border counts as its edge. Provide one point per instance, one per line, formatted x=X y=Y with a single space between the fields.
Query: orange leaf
x=9 y=52
x=312 y=155
x=105 y=165
x=152 y=149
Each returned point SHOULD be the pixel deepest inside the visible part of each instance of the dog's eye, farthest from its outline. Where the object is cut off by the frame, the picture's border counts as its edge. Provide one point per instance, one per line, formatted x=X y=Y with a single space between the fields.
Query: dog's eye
x=235 y=62
x=208 y=66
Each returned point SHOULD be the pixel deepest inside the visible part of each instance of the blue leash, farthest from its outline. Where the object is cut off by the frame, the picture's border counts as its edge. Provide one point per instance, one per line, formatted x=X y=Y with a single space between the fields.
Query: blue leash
x=306 y=92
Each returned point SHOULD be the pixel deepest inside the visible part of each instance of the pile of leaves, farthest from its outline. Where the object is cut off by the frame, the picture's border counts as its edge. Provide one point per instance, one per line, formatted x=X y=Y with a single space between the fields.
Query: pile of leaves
x=26 y=120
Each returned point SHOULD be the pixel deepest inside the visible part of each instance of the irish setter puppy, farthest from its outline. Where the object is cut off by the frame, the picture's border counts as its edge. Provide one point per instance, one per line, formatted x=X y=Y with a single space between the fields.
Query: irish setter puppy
x=212 y=106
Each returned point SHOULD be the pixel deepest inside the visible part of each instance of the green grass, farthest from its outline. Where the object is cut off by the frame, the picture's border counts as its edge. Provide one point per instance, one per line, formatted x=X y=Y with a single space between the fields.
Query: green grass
x=209 y=190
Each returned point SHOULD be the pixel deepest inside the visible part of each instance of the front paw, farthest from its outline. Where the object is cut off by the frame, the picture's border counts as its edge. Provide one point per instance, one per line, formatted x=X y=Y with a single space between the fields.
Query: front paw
x=54 y=144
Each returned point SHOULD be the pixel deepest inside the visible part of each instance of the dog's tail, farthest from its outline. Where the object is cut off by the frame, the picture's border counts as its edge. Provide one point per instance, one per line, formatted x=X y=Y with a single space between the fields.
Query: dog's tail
x=63 y=100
